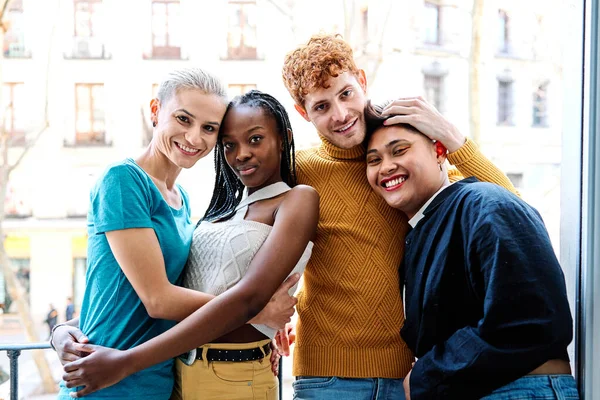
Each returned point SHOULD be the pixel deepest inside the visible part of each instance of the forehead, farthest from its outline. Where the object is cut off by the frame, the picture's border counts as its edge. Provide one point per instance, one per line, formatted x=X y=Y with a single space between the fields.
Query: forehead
x=199 y=103
x=384 y=135
x=244 y=117
x=331 y=88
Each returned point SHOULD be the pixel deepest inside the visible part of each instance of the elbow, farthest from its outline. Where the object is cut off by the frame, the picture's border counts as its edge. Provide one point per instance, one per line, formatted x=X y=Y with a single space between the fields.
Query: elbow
x=154 y=307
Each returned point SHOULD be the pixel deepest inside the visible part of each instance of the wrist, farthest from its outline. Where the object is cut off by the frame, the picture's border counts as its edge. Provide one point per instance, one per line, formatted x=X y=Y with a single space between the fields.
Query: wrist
x=52 y=333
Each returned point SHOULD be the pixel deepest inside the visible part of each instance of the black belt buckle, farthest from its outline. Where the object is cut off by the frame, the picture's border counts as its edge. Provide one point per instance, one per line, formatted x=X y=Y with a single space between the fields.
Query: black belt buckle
x=235 y=355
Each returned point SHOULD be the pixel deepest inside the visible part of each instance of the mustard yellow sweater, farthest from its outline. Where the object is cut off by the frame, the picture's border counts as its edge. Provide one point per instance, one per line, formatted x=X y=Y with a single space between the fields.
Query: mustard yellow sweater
x=350 y=309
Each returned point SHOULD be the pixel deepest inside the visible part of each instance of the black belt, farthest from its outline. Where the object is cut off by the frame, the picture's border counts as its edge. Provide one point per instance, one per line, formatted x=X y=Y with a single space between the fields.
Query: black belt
x=235 y=355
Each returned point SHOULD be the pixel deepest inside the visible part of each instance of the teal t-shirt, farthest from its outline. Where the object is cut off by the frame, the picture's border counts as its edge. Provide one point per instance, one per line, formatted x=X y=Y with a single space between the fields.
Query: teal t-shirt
x=112 y=314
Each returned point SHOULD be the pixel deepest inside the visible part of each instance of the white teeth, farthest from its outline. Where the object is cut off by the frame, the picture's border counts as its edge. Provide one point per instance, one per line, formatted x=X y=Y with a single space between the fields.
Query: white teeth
x=346 y=127
x=188 y=149
x=395 y=182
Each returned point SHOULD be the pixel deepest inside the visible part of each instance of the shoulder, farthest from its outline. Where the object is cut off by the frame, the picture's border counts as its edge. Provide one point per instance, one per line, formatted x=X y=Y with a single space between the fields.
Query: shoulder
x=125 y=170
x=491 y=193
x=301 y=199
x=488 y=203
x=302 y=194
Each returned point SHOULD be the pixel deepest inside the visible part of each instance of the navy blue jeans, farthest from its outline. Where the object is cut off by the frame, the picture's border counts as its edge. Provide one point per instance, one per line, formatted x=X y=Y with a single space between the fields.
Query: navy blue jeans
x=335 y=388
x=537 y=387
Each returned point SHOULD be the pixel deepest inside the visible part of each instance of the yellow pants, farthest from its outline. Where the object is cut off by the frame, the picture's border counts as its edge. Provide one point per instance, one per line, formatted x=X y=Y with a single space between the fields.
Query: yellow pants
x=247 y=380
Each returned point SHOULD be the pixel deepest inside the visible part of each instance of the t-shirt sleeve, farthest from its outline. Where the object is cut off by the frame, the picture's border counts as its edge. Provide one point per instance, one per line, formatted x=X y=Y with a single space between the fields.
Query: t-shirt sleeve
x=120 y=200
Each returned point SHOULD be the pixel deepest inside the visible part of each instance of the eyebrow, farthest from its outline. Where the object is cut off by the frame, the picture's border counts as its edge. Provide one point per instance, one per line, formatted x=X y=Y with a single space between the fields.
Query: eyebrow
x=337 y=94
x=390 y=144
x=251 y=130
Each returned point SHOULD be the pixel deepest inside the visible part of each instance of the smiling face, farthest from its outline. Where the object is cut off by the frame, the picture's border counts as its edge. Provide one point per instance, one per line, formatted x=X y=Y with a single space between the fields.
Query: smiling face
x=187 y=125
x=337 y=110
x=252 y=146
x=403 y=167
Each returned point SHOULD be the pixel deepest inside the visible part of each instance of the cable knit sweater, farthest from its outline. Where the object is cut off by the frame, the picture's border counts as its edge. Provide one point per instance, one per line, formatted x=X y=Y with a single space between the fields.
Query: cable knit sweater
x=350 y=308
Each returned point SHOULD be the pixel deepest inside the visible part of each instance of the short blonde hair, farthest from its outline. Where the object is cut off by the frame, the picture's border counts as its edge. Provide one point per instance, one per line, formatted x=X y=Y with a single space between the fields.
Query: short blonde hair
x=190 y=78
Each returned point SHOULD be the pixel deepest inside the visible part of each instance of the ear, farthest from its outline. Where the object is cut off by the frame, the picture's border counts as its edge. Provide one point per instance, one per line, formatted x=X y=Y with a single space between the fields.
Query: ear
x=362 y=79
x=440 y=151
x=302 y=112
x=154 y=106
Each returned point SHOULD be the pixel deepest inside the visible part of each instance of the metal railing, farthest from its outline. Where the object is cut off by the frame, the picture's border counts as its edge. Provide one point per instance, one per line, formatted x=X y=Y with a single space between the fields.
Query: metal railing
x=13 y=351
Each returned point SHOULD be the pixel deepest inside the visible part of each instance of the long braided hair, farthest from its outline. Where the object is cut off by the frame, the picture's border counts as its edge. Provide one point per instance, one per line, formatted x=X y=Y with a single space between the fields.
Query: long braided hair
x=228 y=190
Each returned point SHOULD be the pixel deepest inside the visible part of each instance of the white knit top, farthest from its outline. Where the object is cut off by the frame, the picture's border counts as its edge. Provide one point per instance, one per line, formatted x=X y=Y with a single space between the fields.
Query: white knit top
x=221 y=252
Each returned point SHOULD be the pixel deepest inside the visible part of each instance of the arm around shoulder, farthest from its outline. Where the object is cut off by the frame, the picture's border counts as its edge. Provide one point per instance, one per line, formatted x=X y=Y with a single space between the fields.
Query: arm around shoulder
x=470 y=161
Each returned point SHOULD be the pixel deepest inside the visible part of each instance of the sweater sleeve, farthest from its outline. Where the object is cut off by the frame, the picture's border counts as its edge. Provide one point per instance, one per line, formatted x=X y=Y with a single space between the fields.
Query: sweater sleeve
x=525 y=312
x=471 y=162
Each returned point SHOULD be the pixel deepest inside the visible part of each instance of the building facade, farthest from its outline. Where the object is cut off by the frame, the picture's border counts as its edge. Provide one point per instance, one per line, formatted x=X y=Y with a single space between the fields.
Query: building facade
x=97 y=64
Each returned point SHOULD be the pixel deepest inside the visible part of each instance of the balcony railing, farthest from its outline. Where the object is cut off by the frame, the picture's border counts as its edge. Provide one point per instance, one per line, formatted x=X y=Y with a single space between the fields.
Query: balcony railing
x=85 y=47
x=13 y=351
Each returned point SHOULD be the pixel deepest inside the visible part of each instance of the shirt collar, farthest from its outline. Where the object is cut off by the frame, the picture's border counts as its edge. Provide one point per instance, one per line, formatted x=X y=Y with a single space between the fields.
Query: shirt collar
x=419 y=215
x=436 y=200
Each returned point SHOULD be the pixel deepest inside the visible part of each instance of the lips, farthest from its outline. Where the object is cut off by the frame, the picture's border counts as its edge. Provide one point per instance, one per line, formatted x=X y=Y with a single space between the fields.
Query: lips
x=190 y=151
x=245 y=170
x=393 y=182
x=346 y=128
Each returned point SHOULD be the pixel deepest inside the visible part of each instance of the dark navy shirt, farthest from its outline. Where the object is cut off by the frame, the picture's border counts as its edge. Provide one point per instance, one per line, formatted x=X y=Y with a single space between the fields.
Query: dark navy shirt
x=485 y=296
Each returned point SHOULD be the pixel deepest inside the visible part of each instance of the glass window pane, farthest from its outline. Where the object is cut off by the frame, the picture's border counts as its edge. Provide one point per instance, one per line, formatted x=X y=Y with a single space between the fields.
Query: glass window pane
x=431 y=23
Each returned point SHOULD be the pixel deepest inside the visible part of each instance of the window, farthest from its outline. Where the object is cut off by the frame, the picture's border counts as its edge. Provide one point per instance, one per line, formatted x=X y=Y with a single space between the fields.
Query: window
x=432 y=24
x=516 y=179
x=364 y=16
x=166 y=40
x=16 y=202
x=540 y=106
x=433 y=85
x=241 y=39
x=503 y=32
x=89 y=114
x=239 y=89
x=87 y=40
x=505 y=102
x=13 y=112
x=14 y=38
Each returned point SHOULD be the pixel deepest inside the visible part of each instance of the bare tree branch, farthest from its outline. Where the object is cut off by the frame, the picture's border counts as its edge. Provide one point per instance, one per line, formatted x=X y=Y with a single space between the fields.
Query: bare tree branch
x=4 y=7
x=46 y=124
x=287 y=13
x=28 y=145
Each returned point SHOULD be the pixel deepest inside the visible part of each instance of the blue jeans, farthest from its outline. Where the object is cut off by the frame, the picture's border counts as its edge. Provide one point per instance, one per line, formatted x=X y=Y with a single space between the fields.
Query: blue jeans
x=537 y=387
x=335 y=388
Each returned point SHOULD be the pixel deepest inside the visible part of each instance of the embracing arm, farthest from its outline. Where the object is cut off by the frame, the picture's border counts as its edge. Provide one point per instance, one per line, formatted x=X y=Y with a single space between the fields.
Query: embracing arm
x=295 y=224
x=526 y=319
x=140 y=257
x=470 y=161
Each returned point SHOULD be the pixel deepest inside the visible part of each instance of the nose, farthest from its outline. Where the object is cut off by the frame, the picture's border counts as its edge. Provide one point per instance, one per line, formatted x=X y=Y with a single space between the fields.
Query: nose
x=197 y=140
x=387 y=166
x=243 y=153
x=339 y=112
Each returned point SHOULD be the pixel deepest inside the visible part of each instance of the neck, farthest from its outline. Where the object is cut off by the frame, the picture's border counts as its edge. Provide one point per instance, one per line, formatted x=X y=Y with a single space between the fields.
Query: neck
x=443 y=183
x=353 y=153
x=158 y=166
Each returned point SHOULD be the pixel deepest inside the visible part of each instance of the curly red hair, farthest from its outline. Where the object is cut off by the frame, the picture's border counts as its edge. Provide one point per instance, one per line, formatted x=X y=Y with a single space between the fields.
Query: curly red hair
x=310 y=66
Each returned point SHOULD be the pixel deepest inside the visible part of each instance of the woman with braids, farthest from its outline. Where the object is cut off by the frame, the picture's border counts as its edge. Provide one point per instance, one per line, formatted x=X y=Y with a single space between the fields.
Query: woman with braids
x=242 y=251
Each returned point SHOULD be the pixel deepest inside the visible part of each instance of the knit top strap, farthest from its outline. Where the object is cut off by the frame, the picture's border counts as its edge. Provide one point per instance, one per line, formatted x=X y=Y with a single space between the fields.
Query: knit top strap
x=267 y=192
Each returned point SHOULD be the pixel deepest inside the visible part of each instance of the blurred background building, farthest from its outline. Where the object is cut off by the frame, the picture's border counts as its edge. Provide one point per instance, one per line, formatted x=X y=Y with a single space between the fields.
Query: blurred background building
x=493 y=68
